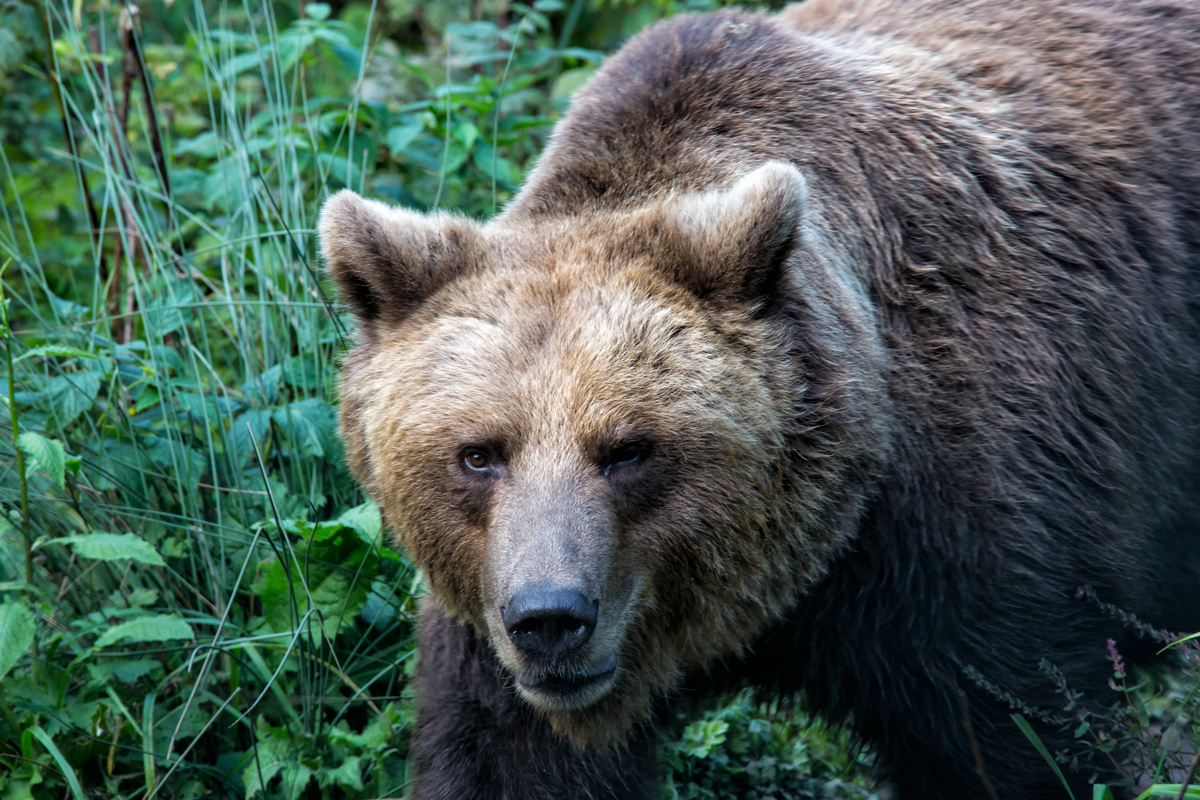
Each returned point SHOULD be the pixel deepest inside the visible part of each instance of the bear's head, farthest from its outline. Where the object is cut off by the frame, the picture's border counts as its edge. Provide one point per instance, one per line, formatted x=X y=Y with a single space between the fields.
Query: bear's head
x=616 y=443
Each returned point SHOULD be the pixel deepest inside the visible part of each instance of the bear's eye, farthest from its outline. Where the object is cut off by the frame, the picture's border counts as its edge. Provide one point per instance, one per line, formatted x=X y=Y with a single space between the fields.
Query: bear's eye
x=476 y=459
x=624 y=455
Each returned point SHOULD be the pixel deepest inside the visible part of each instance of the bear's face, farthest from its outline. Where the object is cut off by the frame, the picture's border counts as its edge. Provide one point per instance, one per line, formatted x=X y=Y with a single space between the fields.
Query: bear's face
x=576 y=428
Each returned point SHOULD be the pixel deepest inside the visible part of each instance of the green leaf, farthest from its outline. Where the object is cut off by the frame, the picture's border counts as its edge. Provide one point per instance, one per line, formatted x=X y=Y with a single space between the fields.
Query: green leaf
x=570 y=81
x=302 y=372
x=700 y=737
x=200 y=406
x=348 y=775
x=12 y=51
x=296 y=778
x=259 y=421
x=48 y=454
x=338 y=567
x=16 y=634
x=53 y=350
x=178 y=459
x=275 y=747
x=113 y=547
x=1101 y=792
x=71 y=395
x=311 y=426
x=399 y=137
x=317 y=11
x=365 y=519
x=159 y=628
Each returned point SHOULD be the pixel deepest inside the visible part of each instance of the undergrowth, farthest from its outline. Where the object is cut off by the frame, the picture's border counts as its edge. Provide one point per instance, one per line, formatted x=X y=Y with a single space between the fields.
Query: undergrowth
x=196 y=600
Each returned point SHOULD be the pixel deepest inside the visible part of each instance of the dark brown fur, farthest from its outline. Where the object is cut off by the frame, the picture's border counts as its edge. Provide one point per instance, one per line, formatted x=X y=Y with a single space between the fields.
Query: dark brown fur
x=904 y=396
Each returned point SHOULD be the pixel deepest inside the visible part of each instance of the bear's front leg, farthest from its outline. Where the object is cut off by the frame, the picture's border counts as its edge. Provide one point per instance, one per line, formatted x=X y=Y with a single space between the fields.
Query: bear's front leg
x=477 y=739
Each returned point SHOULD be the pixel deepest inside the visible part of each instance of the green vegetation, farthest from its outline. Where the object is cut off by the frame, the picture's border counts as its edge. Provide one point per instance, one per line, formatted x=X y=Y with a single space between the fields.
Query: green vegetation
x=195 y=599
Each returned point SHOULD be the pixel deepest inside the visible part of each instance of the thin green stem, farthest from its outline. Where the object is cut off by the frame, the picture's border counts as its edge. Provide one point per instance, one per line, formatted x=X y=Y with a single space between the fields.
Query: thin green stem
x=14 y=416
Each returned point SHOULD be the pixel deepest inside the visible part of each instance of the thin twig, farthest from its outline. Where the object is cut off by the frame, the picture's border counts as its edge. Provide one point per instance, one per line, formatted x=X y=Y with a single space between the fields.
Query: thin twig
x=1187 y=776
x=229 y=489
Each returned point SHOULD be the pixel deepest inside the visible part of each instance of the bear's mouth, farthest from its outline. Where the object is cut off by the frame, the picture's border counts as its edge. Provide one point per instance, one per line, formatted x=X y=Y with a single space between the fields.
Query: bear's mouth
x=574 y=688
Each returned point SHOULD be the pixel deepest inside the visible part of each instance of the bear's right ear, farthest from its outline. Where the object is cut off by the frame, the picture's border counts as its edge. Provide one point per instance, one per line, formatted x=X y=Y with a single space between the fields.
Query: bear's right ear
x=736 y=240
x=387 y=261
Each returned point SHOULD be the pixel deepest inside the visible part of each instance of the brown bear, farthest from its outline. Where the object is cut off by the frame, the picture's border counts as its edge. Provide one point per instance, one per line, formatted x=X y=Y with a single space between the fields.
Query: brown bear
x=829 y=353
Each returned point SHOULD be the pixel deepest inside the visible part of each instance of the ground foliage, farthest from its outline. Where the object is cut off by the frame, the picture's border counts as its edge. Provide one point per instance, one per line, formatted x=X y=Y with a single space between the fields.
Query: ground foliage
x=196 y=600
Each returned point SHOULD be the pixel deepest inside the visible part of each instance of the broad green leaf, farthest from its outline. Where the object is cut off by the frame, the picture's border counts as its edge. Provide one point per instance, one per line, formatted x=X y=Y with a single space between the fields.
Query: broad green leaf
x=302 y=372
x=365 y=519
x=275 y=747
x=348 y=775
x=159 y=628
x=199 y=405
x=113 y=547
x=178 y=459
x=570 y=81
x=140 y=598
x=256 y=420
x=148 y=398
x=401 y=136
x=340 y=170
x=164 y=317
x=264 y=388
x=124 y=670
x=16 y=634
x=22 y=788
x=299 y=430
x=12 y=51
x=338 y=568
x=239 y=64
x=118 y=464
x=48 y=455
x=53 y=350
x=68 y=396
x=311 y=426
x=296 y=778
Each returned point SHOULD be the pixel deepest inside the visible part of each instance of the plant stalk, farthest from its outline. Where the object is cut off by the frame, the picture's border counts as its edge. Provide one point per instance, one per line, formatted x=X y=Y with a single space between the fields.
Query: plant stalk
x=14 y=416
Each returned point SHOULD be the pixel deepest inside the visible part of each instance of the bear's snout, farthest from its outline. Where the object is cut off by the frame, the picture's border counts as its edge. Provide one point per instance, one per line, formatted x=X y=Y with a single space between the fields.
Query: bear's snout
x=549 y=623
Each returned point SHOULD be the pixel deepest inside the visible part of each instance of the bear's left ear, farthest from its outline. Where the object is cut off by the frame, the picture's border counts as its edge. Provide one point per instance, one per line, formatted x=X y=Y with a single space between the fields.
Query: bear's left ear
x=736 y=240
x=387 y=261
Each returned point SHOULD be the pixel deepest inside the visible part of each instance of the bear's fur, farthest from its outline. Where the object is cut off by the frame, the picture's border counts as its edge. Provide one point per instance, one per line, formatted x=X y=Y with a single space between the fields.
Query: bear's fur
x=829 y=352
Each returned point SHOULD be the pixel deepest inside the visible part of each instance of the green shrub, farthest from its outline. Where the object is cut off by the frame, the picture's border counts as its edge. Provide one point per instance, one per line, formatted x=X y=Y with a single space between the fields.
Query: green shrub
x=744 y=750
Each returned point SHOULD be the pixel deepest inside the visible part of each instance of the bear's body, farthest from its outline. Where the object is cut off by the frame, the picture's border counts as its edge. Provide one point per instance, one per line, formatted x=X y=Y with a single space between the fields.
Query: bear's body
x=830 y=352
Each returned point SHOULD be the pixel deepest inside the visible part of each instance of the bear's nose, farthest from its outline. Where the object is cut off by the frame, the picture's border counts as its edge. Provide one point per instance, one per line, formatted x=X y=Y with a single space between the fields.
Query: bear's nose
x=549 y=623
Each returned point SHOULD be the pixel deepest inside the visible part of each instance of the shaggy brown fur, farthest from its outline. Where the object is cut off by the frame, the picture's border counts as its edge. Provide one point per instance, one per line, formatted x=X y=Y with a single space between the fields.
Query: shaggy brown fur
x=829 y=352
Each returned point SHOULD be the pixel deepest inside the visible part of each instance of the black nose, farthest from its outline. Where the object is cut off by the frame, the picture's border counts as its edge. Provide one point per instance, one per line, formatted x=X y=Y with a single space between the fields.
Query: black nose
x=549 y=623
